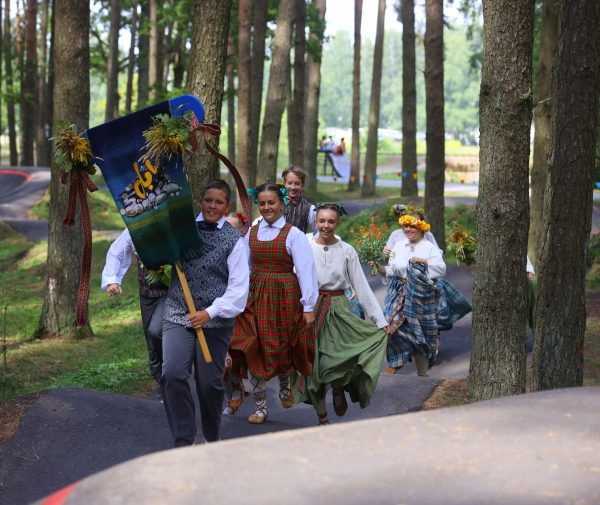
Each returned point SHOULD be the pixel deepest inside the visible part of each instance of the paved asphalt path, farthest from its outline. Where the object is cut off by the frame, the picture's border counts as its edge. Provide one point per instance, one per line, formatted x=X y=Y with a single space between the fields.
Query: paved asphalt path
x=20 y=189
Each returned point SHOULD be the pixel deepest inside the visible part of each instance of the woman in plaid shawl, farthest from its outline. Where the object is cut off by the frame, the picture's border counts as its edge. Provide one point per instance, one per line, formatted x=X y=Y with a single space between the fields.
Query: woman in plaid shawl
x=417 y=263
x=275 y=334
x=350 y=350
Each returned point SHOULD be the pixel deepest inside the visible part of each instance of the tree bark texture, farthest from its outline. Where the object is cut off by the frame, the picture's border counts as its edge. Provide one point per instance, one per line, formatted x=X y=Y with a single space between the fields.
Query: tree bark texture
x=354 y=181
x=368 y=185
x=206 y=79
x=112 y=75
x=71 y=101
x=257 y=68
x=313 y=90
x=435 y=163
x=179 y=50
x=10 y=91
x=499 y=298
x=244 y=83
x=154 y=53
x=143 y=60
x=296 y=105
x=131 y=60
x=230 y=100
x=276 y=93
x=409 y=101
x=560 y=314
x=42 y=133
x=28 y=86
x=542 y=117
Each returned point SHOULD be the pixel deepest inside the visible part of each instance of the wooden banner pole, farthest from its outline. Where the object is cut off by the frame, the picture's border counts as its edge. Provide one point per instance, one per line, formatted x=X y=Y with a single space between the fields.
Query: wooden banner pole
x=192 y=308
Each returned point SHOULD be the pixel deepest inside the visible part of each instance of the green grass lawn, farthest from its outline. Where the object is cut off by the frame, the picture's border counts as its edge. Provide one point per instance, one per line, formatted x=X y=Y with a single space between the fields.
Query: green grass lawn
x=114 y=360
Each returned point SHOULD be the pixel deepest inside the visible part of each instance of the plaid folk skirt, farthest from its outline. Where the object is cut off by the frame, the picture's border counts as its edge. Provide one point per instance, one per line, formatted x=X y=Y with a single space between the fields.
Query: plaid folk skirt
x=270 y=336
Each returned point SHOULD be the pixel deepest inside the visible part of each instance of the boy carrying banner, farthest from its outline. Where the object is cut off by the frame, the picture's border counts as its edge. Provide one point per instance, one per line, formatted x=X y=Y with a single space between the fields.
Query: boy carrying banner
x=218 y=280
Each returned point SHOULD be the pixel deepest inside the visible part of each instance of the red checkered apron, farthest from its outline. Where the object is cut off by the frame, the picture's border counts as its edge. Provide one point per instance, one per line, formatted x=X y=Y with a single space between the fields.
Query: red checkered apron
x=270 y=336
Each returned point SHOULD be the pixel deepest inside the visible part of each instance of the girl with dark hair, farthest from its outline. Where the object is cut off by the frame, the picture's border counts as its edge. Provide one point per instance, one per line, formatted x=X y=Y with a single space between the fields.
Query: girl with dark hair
x=274 y=335
x=350 y=350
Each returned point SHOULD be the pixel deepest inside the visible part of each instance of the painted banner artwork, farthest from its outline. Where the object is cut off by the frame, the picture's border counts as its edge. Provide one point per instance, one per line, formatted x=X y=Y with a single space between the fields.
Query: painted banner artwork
x=154 y=199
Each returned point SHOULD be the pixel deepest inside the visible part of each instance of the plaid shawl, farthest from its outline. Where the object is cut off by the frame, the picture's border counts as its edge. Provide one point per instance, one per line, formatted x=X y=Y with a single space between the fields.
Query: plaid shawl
x=417 y=310
x=451 y=305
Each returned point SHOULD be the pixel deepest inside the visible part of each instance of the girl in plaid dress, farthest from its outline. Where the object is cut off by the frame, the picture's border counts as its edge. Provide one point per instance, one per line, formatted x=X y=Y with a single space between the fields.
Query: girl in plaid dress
x=417 y=263
x=274 y=334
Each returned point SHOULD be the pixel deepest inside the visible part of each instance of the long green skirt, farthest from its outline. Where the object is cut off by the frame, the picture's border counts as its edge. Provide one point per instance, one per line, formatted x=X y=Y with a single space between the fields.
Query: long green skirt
x=350 y=352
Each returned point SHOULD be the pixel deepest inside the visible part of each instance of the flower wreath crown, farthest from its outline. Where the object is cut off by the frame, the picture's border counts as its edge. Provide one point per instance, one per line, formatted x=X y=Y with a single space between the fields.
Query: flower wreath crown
x=415 y=222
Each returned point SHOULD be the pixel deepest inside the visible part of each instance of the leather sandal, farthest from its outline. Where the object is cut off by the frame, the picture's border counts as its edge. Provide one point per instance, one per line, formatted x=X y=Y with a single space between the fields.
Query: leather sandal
x=392 y=370
x=260 y=416
x=235 y=403
x=323 y=419
x=340 y=405
x=286 y=396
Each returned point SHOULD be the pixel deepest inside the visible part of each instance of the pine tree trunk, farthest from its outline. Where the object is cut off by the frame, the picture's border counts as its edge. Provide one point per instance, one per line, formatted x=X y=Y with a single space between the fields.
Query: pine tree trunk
x=542 y=117
x=230 y=100
x=42 y=146
x=276 y=93
x=143 y=60
x=167 y=54
x=368 y=186
x=499 y=298
x=257 y=66
x=244 y=86
x=354 y=181
x=71 y=101
x=296 y=104
x=154 y=53
x=10 y=90
x=206 y=78
x=410 y=185
x=28 y=88
x=313 y=90
x=131 y=58
x=434 y=104
x=560 y=314
x=112 y=77
x=179 y=57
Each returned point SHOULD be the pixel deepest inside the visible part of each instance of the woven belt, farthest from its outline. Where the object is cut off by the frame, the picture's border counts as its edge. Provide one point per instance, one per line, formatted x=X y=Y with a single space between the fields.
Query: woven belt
x=323 y=303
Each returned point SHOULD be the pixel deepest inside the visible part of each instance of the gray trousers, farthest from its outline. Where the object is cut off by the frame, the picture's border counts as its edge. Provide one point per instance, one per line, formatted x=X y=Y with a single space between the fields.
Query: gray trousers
x=181 y=350
x=152 y=309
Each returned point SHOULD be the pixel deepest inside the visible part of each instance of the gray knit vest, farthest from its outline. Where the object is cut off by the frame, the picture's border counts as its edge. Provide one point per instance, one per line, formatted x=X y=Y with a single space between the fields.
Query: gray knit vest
x=297 y=214
x=207 y=277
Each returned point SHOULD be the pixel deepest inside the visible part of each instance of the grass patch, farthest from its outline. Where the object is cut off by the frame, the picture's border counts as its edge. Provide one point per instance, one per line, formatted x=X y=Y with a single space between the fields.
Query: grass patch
x=114 y=360
x=336 y=191
x=102 y=209
x=14 y=246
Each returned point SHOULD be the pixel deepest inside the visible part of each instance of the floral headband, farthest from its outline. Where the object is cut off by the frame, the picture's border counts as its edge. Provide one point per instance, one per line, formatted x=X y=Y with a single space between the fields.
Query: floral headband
x=253 y=193
x=331 y=205
x=415 y=222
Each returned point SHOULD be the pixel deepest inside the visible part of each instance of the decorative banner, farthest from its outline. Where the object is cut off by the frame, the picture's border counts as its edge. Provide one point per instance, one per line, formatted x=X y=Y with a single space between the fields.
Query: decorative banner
x=154 y=197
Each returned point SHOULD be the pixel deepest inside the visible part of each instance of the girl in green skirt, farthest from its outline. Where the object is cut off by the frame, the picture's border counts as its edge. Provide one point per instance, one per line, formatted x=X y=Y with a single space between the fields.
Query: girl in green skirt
x=350 y=351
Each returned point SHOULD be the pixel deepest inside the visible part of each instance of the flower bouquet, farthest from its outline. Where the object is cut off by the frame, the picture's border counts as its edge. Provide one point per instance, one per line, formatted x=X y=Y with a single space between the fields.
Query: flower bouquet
x=369 y=245
x=463 y=245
